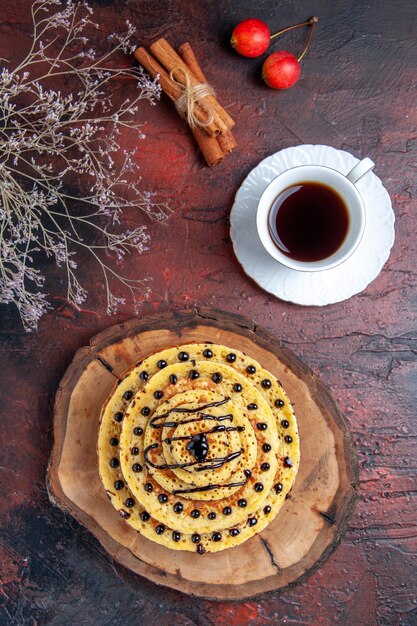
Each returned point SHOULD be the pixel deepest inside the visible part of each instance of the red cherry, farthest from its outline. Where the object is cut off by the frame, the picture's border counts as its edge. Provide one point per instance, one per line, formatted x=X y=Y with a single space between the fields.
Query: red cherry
x=281 y=70
x=251 y=38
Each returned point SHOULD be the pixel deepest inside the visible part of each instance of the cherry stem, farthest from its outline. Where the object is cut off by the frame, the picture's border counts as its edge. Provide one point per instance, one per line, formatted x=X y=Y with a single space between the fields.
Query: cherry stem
x=311 y=22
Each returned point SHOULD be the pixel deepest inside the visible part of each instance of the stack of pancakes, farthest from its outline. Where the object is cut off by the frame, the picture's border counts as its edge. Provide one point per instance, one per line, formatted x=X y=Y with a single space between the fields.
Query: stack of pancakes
x=198 y=447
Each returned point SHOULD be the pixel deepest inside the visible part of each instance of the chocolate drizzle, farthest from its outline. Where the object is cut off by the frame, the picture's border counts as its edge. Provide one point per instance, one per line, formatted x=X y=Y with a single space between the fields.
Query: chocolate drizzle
x=200 y=409
x=198 y=445
x=216 y=429
x=215 y=463
x=209 y=487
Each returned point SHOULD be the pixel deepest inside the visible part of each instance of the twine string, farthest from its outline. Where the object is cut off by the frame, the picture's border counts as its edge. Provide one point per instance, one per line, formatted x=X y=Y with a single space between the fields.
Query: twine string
x=190 y=96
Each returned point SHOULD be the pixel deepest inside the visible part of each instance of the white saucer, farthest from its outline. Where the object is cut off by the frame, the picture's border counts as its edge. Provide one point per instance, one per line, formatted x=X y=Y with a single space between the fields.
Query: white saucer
x=312 y=288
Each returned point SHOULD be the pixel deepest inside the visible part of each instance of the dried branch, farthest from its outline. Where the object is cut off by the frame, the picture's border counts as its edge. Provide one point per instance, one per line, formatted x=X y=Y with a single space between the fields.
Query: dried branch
x=54 y=140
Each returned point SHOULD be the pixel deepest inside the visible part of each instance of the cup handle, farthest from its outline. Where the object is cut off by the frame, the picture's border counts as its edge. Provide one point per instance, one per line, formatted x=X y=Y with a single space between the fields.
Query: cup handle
x=360 y=169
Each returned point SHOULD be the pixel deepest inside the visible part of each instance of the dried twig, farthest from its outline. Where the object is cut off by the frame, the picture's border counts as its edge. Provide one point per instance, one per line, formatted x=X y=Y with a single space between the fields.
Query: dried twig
x=52 y=141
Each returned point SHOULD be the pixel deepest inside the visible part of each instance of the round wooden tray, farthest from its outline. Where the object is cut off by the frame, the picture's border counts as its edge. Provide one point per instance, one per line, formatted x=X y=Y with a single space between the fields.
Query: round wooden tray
x=317 y=510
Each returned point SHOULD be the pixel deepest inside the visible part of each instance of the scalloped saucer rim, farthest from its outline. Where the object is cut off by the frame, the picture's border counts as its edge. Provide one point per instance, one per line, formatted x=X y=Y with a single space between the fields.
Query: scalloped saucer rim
x=324 y=287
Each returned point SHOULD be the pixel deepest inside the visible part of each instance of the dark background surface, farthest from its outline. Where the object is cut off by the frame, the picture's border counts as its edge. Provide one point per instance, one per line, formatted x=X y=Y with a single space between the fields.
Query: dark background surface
x=357 y=92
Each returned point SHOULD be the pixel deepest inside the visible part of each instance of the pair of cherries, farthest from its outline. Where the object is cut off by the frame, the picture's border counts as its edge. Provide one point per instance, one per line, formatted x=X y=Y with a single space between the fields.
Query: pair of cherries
x=281 y=69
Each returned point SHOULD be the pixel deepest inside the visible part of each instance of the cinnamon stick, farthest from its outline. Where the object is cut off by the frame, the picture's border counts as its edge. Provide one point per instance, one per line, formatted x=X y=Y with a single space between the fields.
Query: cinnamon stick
x=167 y=56
x=172 y=90
x=210 y=147
x=226 y=140
x=213 y=148
x=187 y=54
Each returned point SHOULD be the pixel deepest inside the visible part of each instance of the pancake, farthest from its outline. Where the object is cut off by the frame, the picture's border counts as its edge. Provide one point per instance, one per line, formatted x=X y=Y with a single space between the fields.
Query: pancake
x=198 y=447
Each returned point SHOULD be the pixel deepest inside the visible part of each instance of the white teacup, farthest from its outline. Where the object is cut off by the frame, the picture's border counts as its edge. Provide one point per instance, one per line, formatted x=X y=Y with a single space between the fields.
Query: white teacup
x=344 y=185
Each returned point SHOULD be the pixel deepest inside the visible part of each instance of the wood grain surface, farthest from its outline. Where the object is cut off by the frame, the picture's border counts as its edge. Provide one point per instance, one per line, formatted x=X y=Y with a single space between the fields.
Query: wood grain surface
x=356 y=92
x=316 y=512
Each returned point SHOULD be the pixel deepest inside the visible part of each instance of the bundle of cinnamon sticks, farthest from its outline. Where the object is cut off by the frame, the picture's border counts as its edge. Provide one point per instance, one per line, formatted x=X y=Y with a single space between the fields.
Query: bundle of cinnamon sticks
x=181 y=76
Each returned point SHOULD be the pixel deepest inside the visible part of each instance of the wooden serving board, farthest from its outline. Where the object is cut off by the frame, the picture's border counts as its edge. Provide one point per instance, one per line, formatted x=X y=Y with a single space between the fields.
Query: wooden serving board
x=307 y=528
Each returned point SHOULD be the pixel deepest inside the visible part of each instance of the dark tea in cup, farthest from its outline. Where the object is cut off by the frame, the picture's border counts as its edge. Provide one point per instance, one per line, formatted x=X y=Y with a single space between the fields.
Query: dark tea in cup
x=308 y=221
x=311 y=218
